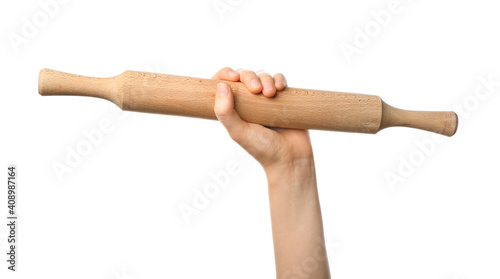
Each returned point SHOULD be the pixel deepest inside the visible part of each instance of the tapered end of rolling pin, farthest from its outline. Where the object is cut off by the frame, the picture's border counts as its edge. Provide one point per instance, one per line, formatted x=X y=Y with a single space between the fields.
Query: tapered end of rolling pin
x=441 y=122
x=52 y=83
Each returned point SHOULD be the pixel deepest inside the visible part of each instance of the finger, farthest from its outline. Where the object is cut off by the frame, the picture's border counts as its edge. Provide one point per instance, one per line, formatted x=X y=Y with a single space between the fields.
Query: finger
x=268 y=83
x=254 y=138
x=224 y=110
x=251 y=80
x=280 y=82
x=227 y=74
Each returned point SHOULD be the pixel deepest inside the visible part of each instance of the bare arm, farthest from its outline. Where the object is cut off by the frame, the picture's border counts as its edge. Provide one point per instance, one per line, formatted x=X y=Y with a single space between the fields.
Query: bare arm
x=299 y=244
x=287 y=158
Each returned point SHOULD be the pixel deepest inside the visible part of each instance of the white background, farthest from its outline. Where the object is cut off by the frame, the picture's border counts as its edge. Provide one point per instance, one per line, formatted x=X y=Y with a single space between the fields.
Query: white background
x=116 y=215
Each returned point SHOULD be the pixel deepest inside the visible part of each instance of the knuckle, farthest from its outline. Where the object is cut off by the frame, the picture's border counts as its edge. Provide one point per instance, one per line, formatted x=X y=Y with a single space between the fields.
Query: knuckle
x=222 y=112
x=249 y=73
x=244 y=71
x=265 y=75
x=226 y=69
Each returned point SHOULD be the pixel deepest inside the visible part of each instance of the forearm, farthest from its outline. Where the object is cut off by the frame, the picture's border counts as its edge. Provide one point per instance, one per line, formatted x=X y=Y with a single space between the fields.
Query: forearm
x=299 y=244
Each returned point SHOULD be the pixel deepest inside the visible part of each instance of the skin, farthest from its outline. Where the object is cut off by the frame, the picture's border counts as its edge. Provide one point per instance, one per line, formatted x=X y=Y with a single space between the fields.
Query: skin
x=287 y=158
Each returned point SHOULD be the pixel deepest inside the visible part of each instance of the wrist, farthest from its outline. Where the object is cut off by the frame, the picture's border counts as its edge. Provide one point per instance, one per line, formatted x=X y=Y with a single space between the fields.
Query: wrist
x=297 y=172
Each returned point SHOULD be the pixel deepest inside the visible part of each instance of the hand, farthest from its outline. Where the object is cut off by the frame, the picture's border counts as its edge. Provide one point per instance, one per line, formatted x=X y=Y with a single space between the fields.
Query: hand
x=272 y=148
x=287 y=158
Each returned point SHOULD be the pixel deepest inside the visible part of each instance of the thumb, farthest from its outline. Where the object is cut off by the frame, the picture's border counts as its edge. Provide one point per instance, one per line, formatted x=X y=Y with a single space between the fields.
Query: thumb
x=227 y=115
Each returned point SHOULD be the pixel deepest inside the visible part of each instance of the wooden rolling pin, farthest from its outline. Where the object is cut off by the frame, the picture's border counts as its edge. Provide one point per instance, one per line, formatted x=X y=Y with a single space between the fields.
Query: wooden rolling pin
x=290 y=108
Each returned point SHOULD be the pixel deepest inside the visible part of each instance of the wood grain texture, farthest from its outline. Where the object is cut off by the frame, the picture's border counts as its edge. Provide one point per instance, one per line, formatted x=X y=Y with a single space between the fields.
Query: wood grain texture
x=290 y=108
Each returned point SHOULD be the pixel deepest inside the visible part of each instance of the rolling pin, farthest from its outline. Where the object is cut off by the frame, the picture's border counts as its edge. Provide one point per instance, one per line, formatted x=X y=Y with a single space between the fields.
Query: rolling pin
x=290 y=108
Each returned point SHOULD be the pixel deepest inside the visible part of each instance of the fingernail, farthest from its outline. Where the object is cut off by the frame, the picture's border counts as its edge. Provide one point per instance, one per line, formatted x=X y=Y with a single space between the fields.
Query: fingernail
x=222 y=89
x=255 y=83
x=268 y=86
x=233 y=74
